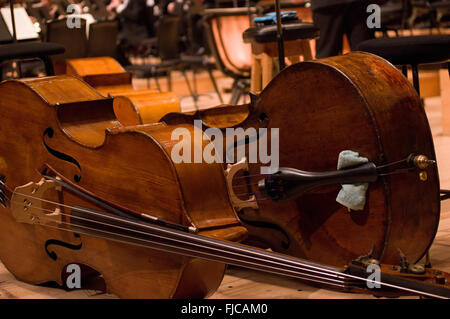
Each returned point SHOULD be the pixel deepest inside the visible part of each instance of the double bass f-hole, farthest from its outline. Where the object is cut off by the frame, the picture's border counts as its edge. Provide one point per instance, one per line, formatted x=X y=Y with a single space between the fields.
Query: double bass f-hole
x=49 y=132
x=52 y=254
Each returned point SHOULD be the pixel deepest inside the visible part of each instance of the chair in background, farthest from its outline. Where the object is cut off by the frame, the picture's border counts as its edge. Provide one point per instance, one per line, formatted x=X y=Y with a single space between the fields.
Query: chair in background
x=394 y=16
x=30 y=50
x=73 y=39
x=168 y=48
x=413 y=51
x=224 y=29
x=296 y=37
x=422 y=10
x=442 y=10
x=23 y=50
x=103 y=39
x=198 y=62
x=197 y=56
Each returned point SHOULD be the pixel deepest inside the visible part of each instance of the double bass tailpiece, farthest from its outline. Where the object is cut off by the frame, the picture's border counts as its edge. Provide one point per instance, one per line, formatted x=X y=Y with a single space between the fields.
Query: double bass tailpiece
x=289 y=183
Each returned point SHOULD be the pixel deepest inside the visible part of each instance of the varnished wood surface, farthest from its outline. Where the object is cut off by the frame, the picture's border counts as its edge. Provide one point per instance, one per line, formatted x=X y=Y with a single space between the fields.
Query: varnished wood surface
x=93 y=66
x=238 y=282
x=241 y=283
x=369 y=107
x=166 y=193
x=109 y=78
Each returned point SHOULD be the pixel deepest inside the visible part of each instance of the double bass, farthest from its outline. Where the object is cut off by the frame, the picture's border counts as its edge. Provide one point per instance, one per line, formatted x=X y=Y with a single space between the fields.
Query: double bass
x=69 y=133
x=131 y=106
x=78 y=187
x=357 y=102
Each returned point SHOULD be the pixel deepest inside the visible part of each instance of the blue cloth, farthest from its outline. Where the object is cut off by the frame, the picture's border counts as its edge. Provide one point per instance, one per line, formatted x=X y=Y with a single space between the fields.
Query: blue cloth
x=271 y=17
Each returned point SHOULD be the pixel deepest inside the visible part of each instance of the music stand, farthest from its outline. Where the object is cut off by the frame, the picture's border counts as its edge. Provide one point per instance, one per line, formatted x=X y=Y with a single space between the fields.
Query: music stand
x=280 y=36
x=5 y=35
x=280 y=41
x=13 y=20
x=23 y=50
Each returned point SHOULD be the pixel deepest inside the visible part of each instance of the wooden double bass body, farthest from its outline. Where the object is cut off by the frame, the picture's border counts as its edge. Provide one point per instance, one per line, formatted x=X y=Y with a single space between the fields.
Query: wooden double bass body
x=60 y=126
x=132 y=107
x=356 y=102
x=63 y=124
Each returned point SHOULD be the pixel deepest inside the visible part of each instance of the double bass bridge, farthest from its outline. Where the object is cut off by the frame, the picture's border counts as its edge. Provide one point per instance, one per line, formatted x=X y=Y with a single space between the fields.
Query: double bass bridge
x=34 y=203
x=230 y=172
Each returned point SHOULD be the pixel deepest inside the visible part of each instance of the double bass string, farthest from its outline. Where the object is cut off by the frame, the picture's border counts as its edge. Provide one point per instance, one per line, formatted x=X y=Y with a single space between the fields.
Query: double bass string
x=243 y=185
x=132 y=230
x=249 y=176
x=309 y=277
x=281 y=261
x=249 y=193
x=51 y=202
x=298 y=272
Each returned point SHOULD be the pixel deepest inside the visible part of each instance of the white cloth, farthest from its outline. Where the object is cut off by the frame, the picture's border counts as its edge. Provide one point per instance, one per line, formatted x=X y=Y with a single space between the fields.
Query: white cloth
x=352 y=196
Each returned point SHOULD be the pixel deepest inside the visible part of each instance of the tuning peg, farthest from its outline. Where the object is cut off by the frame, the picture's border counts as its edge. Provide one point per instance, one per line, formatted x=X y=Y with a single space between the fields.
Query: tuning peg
x=406 y=267
x=368 y=259
x=404 y=264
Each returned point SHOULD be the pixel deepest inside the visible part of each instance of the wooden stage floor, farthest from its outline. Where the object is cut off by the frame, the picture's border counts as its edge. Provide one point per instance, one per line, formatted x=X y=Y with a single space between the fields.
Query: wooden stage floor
x=242 y=283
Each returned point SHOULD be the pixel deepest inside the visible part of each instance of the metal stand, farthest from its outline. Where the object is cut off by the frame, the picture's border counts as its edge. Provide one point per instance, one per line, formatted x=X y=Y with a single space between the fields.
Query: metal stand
x=16 y=66
x=280 y=36
x=13 y=20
